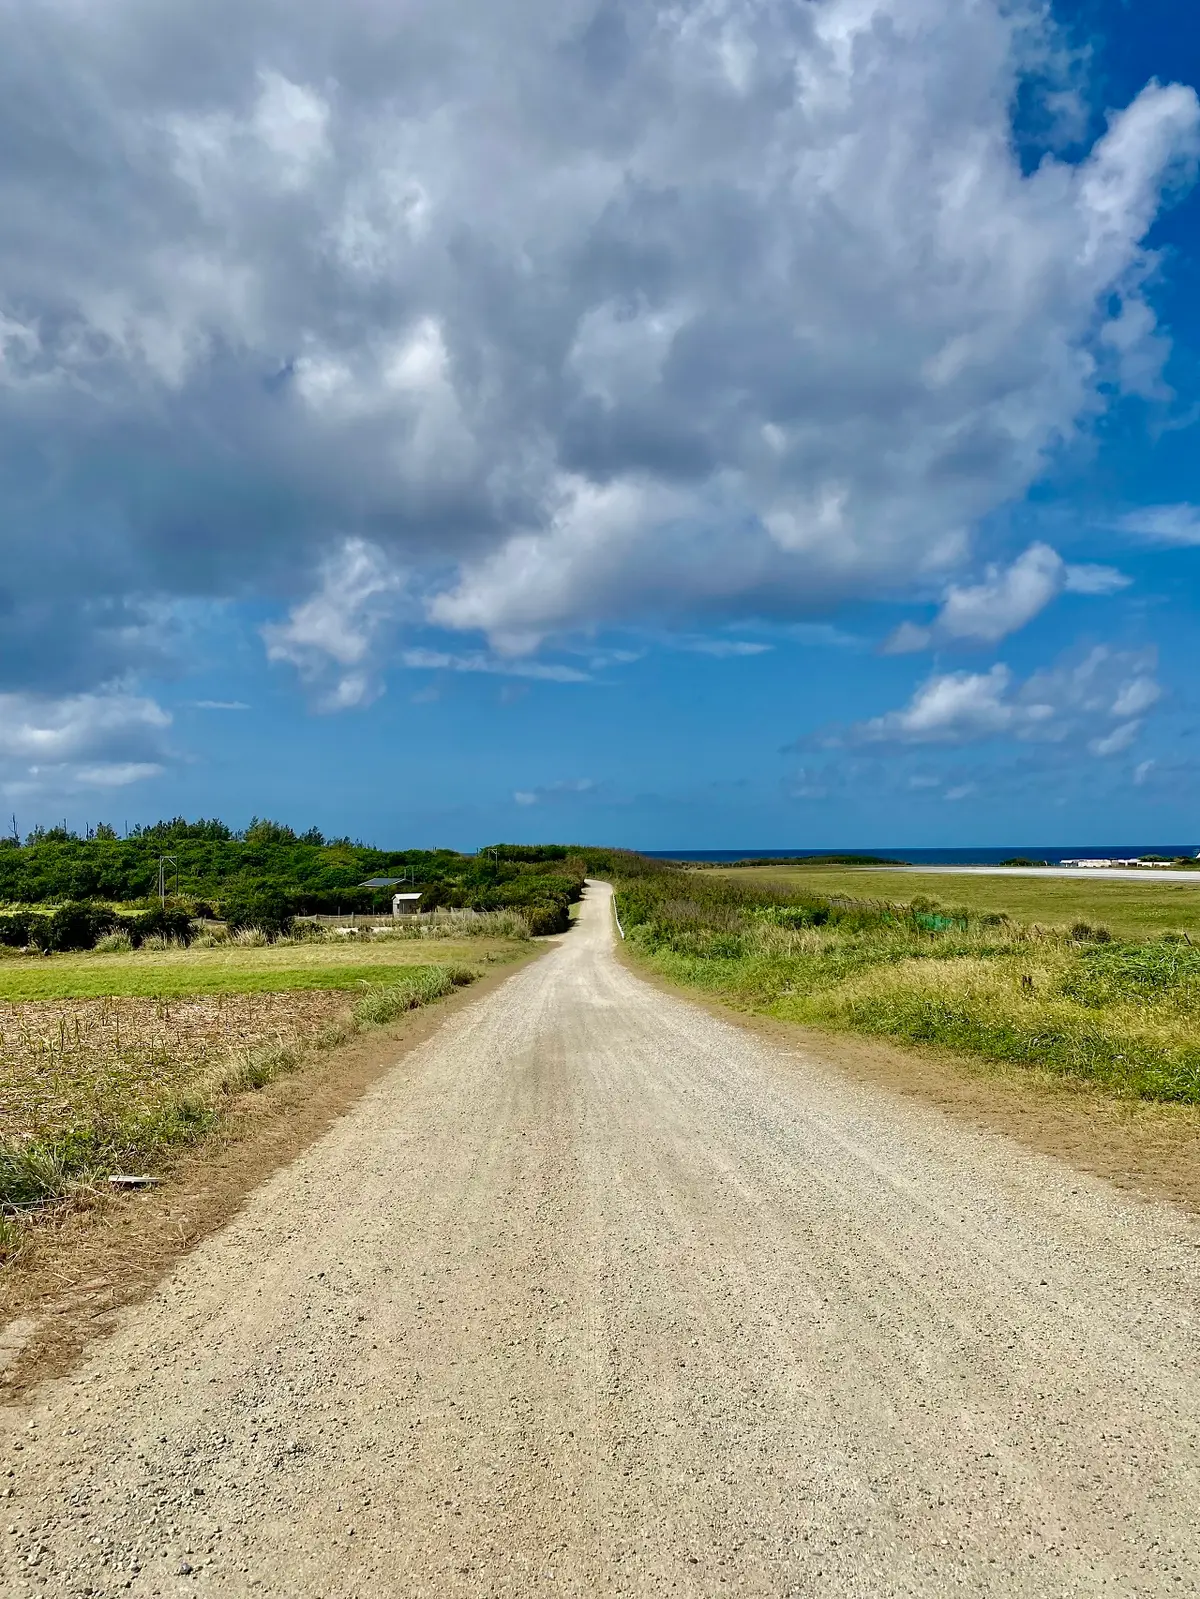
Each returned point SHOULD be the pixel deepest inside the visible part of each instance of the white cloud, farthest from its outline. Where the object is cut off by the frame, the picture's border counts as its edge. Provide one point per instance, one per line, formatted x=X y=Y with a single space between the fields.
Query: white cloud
x=444 y=661
x=107 y=739
x=1164 y=524
x=955 y=708
x=1136 y=696
x=330 y=637
x=117 y=774
x=1118 y=740
x=1095 y=580
x=564 y=789
x=724 y=649
x=1073 y=701
x=1142 y=771
x=1006 y=599
x=751 y=310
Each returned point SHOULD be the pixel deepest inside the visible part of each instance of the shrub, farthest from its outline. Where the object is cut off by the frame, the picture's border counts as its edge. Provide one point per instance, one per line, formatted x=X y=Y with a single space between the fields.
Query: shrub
x=118 y=943
x=814 y=914
x=1086 y=933
x=75 y=925
x=174 y=925
x=544 y=920
x=266 y=908
x=16 y=928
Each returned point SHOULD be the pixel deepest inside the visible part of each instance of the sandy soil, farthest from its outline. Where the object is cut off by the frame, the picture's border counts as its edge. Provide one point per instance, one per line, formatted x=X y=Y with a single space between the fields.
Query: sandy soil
x=597 y=1293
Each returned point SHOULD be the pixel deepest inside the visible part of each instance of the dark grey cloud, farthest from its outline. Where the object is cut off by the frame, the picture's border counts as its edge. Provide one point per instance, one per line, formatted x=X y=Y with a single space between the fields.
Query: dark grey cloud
x=533 y=316
x=64 y=745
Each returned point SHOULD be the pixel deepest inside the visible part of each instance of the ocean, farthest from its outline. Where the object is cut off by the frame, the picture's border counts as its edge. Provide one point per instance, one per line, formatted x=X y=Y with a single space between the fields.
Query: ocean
x=1053 y=853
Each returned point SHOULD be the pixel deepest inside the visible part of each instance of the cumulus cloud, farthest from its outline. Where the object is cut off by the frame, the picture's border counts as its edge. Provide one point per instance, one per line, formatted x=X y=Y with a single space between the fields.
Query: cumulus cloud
x=579 y=311
x=58 y=745
x=1006 y=599
x=1074 y=701
x=955 y=708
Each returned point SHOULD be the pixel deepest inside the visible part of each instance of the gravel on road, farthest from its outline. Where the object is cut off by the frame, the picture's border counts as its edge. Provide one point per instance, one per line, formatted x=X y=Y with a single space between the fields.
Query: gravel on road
x=596 y=1293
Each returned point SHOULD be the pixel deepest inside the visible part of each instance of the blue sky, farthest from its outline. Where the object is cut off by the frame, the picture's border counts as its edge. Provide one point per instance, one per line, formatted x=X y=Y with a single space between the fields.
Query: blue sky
x=746 y=425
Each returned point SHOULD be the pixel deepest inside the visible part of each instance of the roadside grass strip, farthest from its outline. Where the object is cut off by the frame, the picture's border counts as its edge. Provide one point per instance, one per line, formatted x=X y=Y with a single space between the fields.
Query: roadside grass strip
x=1072 y=1003
x=197 y=972
x=1133 y=910
x=179 y=982
x=117 y=1087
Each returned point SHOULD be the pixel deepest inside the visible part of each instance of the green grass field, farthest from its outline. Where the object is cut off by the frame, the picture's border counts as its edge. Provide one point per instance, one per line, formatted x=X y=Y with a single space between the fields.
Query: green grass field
x=1129 y=909
x=274 y=968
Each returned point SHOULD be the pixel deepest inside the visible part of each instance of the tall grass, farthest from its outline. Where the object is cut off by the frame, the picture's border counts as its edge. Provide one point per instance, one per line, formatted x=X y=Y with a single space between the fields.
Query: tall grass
x=1071 y=1001
x=383 y=1002
x=458 y=924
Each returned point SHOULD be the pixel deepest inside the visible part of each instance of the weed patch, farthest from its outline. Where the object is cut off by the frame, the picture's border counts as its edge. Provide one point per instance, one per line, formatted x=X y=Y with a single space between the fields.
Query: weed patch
x=1074 y=1002
x=118 y=1086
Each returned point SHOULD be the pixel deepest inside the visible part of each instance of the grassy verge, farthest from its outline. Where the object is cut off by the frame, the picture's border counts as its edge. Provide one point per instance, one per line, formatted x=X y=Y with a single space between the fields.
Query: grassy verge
x=1130 y=909
x=1071 y=1002
x=230 y=969
x=111 y=1123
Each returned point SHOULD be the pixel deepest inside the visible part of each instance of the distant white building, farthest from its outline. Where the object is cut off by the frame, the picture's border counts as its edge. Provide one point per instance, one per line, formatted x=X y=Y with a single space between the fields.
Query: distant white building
x=1096 y=865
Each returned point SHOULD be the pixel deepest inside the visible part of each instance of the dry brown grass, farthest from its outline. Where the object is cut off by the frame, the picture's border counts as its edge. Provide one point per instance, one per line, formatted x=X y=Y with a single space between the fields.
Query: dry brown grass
x=70 y=1063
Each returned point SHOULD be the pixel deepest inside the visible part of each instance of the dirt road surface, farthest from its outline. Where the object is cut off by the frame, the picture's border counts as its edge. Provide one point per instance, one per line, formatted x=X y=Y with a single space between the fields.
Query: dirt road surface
x=598 y=1294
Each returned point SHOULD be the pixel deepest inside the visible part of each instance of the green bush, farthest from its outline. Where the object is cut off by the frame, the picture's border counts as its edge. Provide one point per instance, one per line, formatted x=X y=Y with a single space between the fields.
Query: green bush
x=17 y=928
x=267 y=908
x=175 y=926
x=546 y=919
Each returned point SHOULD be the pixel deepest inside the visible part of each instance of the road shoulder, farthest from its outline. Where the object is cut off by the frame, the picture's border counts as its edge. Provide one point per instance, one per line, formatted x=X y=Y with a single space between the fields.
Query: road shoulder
x=1149 y=1150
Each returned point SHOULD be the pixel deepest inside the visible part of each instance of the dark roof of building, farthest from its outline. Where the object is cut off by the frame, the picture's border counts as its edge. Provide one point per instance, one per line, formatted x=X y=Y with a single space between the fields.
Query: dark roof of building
x=383 y=882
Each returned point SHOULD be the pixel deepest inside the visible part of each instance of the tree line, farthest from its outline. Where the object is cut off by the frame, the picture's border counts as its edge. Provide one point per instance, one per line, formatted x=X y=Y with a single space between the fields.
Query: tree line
x=268 y=874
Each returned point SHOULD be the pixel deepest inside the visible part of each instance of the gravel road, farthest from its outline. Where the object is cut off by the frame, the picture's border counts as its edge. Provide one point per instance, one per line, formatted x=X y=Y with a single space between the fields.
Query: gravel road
x=597 y=1294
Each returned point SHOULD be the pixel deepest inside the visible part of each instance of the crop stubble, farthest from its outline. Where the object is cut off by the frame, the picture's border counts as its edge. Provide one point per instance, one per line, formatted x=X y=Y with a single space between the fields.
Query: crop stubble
x=71 y=1062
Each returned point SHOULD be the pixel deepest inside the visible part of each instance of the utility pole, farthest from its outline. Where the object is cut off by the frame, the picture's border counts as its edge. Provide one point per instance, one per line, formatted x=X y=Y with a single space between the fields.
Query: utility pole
x=163 y=862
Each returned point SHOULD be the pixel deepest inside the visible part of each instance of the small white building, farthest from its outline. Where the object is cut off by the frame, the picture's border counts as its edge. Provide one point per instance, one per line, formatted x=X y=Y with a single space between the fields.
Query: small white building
x=402 y=904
